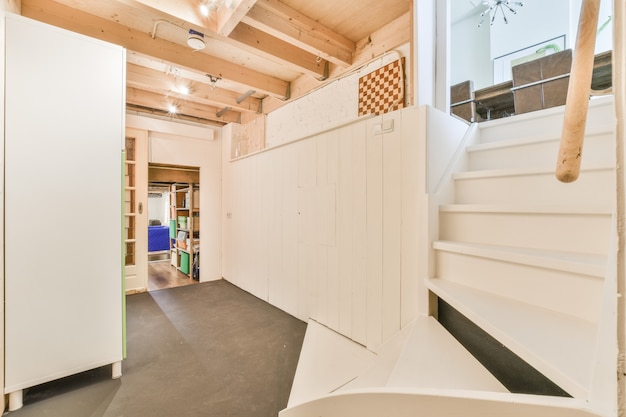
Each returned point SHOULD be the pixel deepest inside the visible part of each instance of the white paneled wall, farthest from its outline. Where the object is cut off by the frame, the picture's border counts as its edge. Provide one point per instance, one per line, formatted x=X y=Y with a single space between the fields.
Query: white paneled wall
x=317 y=227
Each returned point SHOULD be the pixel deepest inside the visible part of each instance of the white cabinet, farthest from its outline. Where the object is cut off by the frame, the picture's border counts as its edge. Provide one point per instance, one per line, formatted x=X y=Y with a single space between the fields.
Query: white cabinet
x=64 y=133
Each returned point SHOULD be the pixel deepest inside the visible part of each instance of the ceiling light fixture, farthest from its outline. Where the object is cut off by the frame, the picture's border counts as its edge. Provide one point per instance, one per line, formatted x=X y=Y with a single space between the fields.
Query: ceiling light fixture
x=196 y=40
x=183 y=89
x=492 y=7
x=209 y=6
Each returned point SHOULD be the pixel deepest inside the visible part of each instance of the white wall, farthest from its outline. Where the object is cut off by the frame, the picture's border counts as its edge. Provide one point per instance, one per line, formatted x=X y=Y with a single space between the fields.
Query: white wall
x=535 y=22
x=198 y=146
x=471 y=53
x=324 y=227
x=340 y=99
x=158 y=208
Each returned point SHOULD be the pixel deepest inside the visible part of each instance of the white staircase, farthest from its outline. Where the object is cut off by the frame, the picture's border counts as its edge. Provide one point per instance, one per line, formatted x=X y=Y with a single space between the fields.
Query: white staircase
x=523 y=257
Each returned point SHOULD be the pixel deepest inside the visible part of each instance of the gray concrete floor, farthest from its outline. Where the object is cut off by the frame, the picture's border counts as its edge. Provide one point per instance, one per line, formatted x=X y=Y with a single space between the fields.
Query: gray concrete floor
x=204 y=350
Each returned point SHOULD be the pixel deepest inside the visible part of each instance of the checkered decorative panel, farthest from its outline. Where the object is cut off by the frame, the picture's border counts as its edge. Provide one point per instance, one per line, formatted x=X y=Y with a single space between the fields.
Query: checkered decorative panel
x=382 y=91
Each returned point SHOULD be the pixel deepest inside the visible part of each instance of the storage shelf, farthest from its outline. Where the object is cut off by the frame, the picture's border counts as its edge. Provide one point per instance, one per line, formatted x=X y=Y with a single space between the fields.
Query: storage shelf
x=182 y=205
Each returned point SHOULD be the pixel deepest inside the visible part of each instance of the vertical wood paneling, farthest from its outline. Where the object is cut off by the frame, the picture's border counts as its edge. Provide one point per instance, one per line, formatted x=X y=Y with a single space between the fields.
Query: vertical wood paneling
x=411 y=122
x=339 y=243
x=358 y=139
x=374 y=182
x=257 y=271
x=289 y=196
x=332 y=174
x=307 y=252
x=345 y=226
x=271 y=218
x=392 y=225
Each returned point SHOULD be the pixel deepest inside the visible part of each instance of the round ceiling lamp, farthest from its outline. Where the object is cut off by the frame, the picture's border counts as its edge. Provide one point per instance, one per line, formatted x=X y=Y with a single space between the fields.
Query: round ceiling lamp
x=195 y=42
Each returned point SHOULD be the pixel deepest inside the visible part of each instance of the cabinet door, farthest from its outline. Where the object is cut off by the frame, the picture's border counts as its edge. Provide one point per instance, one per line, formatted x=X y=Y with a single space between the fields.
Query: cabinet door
x=136 y=210
x=63 y=263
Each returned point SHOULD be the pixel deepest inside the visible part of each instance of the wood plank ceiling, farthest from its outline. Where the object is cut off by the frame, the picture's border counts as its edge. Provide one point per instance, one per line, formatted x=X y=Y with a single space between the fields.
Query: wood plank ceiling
x=259 y=54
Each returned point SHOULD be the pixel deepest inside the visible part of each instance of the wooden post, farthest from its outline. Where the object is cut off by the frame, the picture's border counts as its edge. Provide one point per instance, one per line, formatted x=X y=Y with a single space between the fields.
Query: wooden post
x=570 y=151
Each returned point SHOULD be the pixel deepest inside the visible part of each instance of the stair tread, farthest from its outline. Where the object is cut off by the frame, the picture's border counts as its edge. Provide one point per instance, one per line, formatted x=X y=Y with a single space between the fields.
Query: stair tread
x=433 y=358
x=557 y=345
x=424 y=355
x=512 y=172
x=601 y=209
x=533 y=139
x=588 y=264
x=327 y=361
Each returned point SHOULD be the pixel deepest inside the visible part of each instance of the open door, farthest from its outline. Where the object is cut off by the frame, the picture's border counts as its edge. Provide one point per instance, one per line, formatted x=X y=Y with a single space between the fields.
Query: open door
x=136 y=211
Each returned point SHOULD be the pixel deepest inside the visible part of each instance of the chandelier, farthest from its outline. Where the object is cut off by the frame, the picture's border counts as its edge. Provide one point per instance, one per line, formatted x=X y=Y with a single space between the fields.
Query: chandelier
x=493 y=6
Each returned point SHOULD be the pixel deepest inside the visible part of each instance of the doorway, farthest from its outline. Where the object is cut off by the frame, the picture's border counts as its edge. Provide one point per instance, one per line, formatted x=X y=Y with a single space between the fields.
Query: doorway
x=173 y=226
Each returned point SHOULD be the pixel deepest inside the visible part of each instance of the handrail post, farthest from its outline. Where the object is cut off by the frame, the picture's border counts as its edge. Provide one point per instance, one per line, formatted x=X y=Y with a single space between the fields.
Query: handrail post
x=578 y=91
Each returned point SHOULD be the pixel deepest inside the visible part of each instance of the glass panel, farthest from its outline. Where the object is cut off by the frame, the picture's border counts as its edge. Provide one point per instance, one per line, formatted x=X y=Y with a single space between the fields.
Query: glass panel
x=129 y=203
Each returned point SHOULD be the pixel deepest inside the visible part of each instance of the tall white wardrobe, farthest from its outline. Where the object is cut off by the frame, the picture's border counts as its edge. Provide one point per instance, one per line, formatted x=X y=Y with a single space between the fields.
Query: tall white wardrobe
x=63 y=138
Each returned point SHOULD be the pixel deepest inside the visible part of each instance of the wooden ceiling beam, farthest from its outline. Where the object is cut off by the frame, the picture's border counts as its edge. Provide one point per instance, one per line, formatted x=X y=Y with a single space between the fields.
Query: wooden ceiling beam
x=157 y=101
x=283 y=22
x=229 y=17
x=53 y=13
x=280 y=51
x=224 y=26
x=158 y=82
x=181 y=10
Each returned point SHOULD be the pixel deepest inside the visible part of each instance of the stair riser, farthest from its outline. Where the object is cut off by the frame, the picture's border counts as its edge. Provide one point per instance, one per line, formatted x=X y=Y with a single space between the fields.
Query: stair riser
x=535 y=189
x=546 y=122
x=581 y=233
x=569 y=293
x=597 y=150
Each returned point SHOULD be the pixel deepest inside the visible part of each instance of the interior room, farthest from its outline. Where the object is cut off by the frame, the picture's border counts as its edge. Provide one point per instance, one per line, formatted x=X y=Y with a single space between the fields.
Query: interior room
x=290 y=208
x=173 y=261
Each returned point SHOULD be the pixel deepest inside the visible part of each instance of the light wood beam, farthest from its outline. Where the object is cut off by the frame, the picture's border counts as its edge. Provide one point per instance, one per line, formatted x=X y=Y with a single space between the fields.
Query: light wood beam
x=283 y=22
x=62 y=16
x=143 y=78
x=152 y=100
x=184 y=10
x=229 y=18
x=281 y=51
x=241 y=36
x=396 y=33
x=168 y=174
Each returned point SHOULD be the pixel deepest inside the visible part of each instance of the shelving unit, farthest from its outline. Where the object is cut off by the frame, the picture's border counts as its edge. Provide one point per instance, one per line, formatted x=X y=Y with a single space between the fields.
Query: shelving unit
x=185 y=215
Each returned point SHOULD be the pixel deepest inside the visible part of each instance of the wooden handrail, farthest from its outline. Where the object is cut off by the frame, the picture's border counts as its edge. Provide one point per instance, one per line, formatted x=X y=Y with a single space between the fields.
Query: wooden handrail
x=577 y=103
